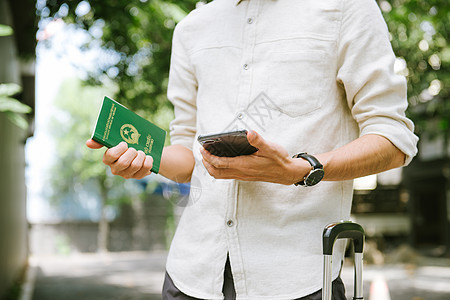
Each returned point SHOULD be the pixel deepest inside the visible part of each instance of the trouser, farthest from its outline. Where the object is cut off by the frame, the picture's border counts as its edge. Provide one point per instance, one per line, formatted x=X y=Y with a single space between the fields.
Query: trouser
x=171 y=292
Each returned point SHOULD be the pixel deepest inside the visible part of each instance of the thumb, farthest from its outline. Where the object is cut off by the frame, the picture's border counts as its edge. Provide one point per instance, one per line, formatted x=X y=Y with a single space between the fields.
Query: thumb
x=93 y=144
x=256 y=140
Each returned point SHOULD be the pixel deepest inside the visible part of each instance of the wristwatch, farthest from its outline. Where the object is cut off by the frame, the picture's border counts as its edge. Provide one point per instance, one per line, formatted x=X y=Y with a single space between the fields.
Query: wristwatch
x=315 y=175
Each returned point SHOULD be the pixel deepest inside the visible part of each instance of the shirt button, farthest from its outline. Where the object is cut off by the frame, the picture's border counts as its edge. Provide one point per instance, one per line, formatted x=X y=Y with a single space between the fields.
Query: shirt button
x=240 y=116
x=245 y=66
x=249 y=20
x=230 y=223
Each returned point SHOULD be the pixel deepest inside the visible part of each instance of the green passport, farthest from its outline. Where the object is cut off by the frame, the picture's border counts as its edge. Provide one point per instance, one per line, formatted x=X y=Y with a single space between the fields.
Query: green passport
x=116 y=123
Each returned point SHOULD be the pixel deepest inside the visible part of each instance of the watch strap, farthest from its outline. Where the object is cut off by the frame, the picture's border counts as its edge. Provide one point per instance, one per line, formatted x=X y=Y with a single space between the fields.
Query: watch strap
x=314 y=162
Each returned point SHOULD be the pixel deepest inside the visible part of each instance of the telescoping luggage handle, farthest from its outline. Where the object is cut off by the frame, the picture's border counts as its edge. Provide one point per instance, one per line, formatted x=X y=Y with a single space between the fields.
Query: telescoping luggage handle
x=342 y=230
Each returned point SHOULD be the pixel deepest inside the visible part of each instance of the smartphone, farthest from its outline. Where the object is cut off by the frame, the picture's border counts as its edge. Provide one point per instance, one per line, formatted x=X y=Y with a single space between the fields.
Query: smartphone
x=227 y=144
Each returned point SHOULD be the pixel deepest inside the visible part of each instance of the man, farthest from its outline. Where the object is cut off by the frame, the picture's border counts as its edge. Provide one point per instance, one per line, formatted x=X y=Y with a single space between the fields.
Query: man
x=301 y=76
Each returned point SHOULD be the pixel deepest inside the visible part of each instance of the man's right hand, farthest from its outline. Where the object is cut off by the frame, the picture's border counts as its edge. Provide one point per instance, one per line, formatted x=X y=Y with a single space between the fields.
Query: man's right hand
x=124 y=161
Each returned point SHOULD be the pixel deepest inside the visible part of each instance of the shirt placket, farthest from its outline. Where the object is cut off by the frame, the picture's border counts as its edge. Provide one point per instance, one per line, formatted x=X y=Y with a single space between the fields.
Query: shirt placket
x=244 y=93
x=246 y=62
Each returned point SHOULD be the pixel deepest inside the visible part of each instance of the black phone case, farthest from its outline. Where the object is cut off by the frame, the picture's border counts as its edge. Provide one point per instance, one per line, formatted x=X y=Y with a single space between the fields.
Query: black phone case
x=227 y=144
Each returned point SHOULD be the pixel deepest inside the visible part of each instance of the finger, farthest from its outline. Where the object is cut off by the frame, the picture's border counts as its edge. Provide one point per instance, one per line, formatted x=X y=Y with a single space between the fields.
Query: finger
x=123 y=162
x=213 y=171
x=146 y=168
x=93 y=144
x=222 y=173
x=216 y=161
x=135 y=165
x=112 y=154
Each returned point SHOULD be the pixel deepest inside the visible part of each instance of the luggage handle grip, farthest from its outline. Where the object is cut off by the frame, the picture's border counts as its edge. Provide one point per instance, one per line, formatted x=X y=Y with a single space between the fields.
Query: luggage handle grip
x=343 y=230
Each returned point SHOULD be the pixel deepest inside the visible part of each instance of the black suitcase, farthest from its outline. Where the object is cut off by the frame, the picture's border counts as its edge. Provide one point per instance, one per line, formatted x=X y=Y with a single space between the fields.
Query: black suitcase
x=342 y=230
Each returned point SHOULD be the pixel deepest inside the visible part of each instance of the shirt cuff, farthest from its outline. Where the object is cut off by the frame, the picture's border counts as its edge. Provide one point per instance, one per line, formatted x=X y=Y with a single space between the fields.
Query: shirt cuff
x=398 y=133
x=185 y=141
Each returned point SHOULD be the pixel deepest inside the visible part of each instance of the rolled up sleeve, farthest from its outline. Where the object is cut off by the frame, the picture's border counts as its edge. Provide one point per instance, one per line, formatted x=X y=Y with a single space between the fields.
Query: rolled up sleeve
x=375 y=94
x=182 y=92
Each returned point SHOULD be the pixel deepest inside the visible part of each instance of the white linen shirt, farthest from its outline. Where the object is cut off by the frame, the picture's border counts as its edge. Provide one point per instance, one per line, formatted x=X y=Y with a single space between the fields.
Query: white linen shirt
x=309 y=75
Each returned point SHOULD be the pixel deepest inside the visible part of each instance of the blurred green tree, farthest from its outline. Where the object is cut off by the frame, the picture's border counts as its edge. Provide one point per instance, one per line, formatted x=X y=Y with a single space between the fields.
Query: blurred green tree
x=138 y=36
x=420 y=32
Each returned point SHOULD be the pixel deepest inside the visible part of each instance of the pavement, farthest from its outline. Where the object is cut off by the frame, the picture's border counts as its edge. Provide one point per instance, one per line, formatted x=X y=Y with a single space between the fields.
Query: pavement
x=140 y=275
x=427 y=279
x=108 y=276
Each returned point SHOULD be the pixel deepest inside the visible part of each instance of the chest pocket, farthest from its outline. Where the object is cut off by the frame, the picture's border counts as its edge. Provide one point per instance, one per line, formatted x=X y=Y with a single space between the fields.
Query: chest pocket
x=295 y=81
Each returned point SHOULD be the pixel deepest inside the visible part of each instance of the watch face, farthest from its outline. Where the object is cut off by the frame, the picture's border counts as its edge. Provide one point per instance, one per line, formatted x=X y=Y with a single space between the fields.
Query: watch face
x=314 y=177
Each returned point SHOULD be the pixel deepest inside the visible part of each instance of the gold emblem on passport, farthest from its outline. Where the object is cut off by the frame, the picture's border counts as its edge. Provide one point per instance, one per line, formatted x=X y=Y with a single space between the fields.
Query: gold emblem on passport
x=129 y=134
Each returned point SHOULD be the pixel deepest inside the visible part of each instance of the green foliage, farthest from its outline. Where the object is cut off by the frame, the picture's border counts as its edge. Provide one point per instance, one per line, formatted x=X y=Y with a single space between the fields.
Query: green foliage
x=420 y=32
x=9 y=89
x=8 y=105
x=138 y=35
x=11 y=107
x=5 y=30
